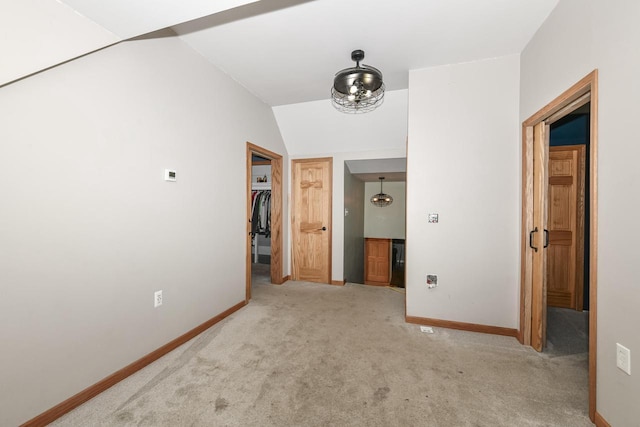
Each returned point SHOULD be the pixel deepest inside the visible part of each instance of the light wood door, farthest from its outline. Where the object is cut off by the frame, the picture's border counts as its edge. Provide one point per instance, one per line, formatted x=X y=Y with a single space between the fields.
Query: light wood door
x=565 y=255
x=537 y=236
x=377 y=262
x=311 y=221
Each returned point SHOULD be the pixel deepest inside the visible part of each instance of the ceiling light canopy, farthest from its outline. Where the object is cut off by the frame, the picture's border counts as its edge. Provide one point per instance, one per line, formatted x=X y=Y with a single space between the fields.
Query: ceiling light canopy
x=381 y=199
x=358 y=89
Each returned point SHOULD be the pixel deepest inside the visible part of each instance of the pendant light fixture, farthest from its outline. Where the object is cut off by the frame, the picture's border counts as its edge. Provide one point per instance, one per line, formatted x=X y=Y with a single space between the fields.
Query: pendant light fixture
x=358 y=89
x=381 y=199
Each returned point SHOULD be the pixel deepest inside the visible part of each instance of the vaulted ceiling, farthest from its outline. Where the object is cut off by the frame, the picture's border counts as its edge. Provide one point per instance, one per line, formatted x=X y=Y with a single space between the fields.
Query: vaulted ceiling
x=283 y=51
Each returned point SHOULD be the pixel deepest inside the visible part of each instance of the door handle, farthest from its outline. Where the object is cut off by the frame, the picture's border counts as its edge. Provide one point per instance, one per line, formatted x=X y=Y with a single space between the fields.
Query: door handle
x=324 y=229
x=546 y=238
x=535 y=230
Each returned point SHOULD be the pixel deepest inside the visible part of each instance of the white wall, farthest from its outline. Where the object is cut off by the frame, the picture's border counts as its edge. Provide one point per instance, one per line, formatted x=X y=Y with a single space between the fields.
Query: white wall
x=312 y=128
x=37 y=34
x=387 y=222
x=463 y=163
x=316 y=129
x=88 y=227
x=578 y=37
x=353 y=228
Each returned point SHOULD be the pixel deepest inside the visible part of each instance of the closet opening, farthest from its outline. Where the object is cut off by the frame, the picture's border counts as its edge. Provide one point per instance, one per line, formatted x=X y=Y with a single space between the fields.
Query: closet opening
x=260 y=220
x=568 y=261
x=264 y=218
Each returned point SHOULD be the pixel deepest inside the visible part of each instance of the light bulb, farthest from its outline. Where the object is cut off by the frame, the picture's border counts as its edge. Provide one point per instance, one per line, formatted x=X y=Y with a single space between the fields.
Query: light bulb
x=368 y=94
x=353 y=89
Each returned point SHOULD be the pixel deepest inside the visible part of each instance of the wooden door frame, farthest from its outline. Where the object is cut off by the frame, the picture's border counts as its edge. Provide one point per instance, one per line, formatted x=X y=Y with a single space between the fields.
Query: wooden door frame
x=294 y=232
x=276 y=215
x=568 y=101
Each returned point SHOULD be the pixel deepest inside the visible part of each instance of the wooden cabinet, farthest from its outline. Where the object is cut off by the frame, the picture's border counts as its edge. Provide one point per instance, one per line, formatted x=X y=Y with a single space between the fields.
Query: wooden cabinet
x=377 y=261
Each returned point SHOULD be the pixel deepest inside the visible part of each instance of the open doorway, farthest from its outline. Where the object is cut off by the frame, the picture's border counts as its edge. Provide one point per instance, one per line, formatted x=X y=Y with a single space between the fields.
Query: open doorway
x=536 y=235
x=374 y=232
x=261 y=182
x=264 y=218
x=568 y=225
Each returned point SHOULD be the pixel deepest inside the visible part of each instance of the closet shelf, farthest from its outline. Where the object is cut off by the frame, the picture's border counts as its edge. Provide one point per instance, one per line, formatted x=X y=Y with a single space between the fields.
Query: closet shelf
x=261 y=185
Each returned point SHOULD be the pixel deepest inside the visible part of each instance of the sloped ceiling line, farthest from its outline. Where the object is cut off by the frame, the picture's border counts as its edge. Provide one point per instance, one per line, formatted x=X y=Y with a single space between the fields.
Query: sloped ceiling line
x=283 y=51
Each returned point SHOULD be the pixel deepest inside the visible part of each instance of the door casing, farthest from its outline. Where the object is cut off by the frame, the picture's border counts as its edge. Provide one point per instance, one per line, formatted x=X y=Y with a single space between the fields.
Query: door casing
x=276 y=215
x=532 y=296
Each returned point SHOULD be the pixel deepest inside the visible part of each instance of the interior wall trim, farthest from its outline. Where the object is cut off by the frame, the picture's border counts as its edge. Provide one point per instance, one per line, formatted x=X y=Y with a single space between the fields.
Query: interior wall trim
x=285 y=279
x=338 y=282
x=600 y=421
x=471 y=327
x=90 y=392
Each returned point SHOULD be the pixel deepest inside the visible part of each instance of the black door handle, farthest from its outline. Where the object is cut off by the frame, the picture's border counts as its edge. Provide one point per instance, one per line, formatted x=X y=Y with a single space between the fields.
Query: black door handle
x=546 y=238
x=324 y=228
x=535 y=230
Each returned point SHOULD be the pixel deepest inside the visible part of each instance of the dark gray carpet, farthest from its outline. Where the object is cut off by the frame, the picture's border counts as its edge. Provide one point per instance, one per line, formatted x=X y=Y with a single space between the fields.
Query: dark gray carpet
x=260 y=274
x=567 y=332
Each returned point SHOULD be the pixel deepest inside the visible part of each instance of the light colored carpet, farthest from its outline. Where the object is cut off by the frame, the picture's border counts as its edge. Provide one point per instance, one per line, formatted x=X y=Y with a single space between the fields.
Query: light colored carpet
x=304 y=354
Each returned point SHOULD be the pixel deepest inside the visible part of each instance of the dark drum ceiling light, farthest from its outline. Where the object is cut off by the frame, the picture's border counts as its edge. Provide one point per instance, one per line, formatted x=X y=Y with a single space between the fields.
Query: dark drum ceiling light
x=381 y=199
x=358 y=89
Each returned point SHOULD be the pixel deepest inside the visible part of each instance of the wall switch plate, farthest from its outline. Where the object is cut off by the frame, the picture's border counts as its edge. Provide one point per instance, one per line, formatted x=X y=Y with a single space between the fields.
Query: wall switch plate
x=157 y=299
x=623 y=358
x=170 y=175
x=433 y=218
x=432 y=281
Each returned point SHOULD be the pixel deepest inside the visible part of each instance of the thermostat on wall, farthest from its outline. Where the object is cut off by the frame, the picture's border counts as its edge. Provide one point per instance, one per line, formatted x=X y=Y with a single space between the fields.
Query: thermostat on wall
x=169 y=175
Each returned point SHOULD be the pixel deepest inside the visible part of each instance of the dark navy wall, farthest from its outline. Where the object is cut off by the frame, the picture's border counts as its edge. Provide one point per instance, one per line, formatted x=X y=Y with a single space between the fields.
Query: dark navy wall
x=570 y=130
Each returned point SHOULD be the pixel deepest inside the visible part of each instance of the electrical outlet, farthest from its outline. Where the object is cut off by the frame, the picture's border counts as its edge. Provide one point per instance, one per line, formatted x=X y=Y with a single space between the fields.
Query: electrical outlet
x=157 y=299
x=623 y=358
x=432 y=281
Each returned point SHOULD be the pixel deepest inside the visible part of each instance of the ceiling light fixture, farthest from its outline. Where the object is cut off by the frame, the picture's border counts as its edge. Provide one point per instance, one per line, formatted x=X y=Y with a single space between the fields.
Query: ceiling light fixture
x=381 y=199
x=358 y=89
